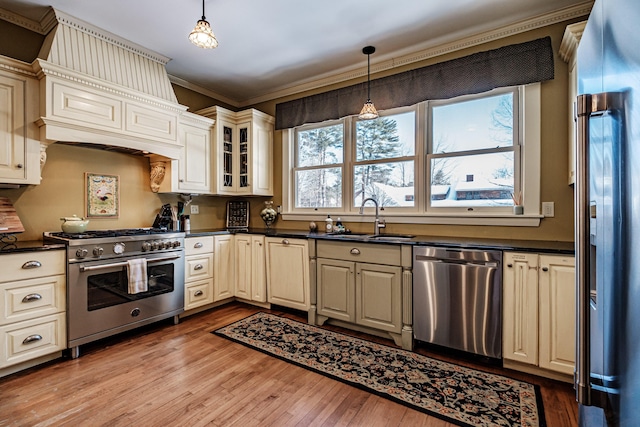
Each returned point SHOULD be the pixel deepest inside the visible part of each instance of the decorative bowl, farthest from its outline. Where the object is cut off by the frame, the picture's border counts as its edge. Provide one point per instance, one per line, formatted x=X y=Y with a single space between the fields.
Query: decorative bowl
x=73 y=224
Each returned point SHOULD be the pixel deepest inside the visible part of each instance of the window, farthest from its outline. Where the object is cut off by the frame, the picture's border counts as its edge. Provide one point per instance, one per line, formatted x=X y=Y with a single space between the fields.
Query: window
x=474 y=155
x=456 y=161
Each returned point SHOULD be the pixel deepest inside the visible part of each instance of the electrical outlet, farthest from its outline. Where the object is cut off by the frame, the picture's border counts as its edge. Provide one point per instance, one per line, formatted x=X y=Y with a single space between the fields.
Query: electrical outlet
x=548 y=209
x=195 y=209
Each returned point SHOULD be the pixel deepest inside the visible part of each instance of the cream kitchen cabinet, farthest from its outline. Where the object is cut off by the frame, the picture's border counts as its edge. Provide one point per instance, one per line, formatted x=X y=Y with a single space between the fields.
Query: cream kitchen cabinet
x=191 y=173
x=243 y=152
x=288 y=272
x=223 y=268
x=539 y=313
x=21 y=153
x=251 y=280
x=198 y=272
x=32 y=308
x=360 y=283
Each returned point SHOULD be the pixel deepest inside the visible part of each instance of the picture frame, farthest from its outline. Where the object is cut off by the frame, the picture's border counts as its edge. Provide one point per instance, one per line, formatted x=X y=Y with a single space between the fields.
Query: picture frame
x=102 y=195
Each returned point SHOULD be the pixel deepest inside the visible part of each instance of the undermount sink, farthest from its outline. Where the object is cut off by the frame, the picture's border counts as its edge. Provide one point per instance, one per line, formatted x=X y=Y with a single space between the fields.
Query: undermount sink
x=386 y=237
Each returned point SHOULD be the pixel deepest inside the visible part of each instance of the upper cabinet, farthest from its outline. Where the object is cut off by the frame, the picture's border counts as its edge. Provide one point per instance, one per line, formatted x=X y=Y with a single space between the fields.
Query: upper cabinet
x=243 y=152
x=20 y=150
x=191 y=172
x=568 y=50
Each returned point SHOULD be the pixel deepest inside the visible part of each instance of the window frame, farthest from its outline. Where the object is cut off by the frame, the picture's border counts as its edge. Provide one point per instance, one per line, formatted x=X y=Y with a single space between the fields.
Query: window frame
x=529 y=124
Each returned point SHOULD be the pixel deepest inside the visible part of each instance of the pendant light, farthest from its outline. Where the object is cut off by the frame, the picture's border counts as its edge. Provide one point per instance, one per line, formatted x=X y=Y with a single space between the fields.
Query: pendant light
x=202 y=36
x=368 y=111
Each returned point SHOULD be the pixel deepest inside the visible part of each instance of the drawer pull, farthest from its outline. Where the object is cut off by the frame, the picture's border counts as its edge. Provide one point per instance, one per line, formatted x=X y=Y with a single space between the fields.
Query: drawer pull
x=32 y=338
x=31 y=297
x=31 y=264
x=198 y=245
x=198 y=267
x=285 y=242
x=355 y=251
x=198 y=293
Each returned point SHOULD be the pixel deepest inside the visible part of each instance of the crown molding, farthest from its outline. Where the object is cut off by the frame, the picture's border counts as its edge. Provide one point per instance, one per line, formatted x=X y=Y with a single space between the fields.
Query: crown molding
x=422 y=52
x=21 y=21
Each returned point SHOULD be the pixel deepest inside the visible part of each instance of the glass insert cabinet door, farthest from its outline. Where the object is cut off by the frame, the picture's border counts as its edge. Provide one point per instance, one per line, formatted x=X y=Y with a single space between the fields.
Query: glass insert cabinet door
x=236 y=157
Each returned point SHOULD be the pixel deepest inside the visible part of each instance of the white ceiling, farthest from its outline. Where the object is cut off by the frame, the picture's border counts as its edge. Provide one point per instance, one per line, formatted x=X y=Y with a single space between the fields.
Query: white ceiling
x=269 y=47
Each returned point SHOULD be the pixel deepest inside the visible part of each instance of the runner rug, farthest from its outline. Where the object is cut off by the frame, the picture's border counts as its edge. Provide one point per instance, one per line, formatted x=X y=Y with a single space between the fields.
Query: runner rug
x=457 y=394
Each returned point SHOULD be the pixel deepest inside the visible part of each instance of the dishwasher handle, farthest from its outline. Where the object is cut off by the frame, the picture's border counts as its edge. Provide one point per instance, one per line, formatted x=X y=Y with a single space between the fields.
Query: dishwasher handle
x=456 y=261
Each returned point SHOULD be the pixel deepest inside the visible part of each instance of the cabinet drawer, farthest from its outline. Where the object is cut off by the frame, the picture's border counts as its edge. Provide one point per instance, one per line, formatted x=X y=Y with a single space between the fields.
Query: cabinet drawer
x=198 y=267
x=198 y=245
x=30 y=339
x=360 y=252
x=198 y=293
x=28 y=299
x=28 y=265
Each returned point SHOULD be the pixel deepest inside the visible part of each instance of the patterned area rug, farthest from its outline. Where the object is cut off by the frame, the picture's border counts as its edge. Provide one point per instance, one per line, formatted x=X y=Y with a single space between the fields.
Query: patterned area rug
x=457 y=394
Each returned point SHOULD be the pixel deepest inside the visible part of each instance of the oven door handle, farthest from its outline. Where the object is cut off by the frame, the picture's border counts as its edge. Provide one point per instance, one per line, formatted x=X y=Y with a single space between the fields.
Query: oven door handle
x=84 y=268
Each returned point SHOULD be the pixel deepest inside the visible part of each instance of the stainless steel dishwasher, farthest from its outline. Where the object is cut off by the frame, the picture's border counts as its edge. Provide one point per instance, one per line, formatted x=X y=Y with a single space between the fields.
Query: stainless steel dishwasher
x=457 y=299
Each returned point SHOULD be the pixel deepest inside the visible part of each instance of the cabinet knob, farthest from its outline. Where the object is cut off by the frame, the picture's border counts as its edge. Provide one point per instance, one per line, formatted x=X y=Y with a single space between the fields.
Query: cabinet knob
x=510 y=265
x=285 y=242
x=31 y=297
x=32 y=338
x=181 y=180
x=355 y=251
x=198 y=293
x=545 y=268
x=19 y=166
x=31 y=264
x=198 y=267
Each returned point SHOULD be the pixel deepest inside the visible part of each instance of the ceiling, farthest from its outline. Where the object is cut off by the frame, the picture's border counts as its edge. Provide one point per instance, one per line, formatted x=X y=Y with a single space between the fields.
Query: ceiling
x=271 y=48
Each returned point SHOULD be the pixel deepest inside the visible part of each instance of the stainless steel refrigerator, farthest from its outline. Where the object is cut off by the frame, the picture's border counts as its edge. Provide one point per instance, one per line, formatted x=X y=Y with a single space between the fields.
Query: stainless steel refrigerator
x=607 y=189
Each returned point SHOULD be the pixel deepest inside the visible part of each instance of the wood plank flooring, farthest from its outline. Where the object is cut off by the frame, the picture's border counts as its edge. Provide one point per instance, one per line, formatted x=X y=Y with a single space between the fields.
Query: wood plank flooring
x=182 y=375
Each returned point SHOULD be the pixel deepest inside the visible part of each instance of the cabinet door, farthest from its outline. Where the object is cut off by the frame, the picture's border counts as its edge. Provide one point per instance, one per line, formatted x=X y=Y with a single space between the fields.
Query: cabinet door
x=226 y=134
x=288 y=272
x=520 y=307
x=379 y=296
x=223 y=277
x=243 y=266
x=262 y=160
x=12 y=129
x=194 y=166
x=336 y=289
x=242 y=169
x=258 y=274
x=557 y=313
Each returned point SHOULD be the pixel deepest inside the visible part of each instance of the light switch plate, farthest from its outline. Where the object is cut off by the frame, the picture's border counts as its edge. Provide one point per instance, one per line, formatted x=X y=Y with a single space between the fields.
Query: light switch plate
x=195 y=209
x=548 y=209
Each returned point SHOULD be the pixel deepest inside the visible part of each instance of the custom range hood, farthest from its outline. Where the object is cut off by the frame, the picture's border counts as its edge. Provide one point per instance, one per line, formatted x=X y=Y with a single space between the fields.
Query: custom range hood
x=99 y=90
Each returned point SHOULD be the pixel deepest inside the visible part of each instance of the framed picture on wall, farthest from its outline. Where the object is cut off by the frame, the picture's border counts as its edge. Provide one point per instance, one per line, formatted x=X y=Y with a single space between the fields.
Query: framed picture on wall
x=102 y=195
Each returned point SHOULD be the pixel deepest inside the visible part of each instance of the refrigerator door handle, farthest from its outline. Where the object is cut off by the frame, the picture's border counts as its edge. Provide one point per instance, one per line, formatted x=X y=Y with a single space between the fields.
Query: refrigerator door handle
x=588 y=105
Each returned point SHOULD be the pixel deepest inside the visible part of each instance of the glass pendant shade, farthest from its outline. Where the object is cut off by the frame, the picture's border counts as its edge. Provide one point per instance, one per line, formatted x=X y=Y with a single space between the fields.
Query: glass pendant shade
x=368 y=111
x=202 y=35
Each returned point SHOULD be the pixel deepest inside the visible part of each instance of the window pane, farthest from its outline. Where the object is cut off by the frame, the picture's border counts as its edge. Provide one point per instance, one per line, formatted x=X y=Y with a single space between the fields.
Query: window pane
x=319 y=188
x=471 y=125
x=468 y=181
x=386 y=137
x=391 y=184
x=320 y=146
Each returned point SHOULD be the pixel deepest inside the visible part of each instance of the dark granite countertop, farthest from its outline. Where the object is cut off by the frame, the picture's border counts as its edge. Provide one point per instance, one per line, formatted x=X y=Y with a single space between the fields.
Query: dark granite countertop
x=28 y=246
x=540 y=246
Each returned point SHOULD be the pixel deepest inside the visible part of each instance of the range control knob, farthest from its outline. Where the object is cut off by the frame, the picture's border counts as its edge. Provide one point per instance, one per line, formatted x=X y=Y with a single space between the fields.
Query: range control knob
x=118 y=248
x=146 y=246
x=154 y=245
x=81 y=253
x=176 y=243
x=97 y=251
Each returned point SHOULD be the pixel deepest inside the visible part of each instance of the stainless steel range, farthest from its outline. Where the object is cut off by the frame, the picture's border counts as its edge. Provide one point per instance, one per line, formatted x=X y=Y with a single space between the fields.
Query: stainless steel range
x=100 y=298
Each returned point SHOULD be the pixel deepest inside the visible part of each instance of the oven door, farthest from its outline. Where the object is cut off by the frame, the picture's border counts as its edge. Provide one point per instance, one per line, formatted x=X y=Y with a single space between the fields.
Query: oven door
x=99 y=304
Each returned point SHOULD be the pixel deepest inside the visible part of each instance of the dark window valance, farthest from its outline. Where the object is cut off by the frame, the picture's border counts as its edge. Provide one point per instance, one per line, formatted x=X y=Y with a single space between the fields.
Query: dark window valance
x=511 y=65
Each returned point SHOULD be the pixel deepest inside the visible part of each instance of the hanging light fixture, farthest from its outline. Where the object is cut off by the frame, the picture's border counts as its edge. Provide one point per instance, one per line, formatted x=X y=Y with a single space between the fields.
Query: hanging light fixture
x=202 y=36
x=368 y=111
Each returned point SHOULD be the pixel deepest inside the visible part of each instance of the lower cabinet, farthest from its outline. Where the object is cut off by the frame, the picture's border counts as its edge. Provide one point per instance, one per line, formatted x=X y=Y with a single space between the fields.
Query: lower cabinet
x=539 y=313
x=198 y=271
x=361 y=284
x=224 y=283
x=288 y=272
x=32 y=309
x=251 y=280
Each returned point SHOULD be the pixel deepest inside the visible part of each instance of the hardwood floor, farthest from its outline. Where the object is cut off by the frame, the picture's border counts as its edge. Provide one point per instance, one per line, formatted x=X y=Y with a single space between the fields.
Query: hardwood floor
x=182 y=375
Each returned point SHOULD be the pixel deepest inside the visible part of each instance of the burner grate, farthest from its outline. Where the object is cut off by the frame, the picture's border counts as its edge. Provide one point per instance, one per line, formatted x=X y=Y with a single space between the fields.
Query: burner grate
x=110 y=233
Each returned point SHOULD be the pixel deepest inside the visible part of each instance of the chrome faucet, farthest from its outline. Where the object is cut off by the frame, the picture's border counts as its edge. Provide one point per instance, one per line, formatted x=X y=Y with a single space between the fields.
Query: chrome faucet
x=379 y=223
